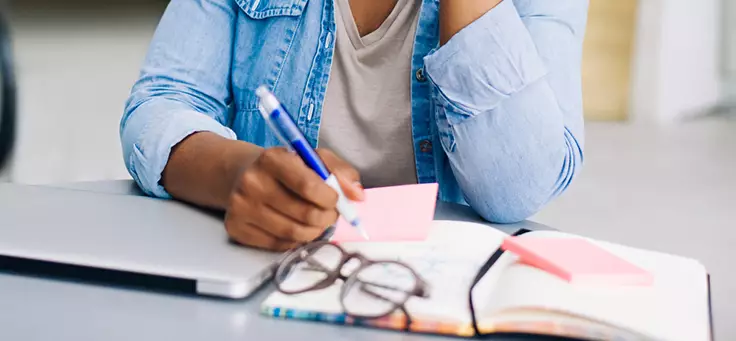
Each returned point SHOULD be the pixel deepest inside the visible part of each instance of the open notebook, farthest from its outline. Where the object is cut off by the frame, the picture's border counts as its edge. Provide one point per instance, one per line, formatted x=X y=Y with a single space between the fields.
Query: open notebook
x=518 y=298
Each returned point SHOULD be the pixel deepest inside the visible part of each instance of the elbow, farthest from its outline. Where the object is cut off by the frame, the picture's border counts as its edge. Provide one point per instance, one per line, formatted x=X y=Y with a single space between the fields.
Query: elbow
x=140 y=94
x=511 y=215
x=130 y=128
x=508 y=208
x=514 y=195
x=140 y=117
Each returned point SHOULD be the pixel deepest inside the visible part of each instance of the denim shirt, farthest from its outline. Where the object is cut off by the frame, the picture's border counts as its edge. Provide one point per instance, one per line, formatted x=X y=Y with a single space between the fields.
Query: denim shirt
x=496 y=111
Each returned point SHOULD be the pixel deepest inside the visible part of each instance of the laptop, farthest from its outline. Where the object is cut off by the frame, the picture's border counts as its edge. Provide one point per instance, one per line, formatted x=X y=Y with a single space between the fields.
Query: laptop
x=124 y=239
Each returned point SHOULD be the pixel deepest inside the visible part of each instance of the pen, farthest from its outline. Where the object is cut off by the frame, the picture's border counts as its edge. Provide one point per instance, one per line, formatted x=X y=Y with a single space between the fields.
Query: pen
x=279 y=120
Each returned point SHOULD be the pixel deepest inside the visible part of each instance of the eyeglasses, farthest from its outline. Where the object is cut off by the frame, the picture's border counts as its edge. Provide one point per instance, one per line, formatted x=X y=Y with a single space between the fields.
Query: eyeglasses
x=373 y=289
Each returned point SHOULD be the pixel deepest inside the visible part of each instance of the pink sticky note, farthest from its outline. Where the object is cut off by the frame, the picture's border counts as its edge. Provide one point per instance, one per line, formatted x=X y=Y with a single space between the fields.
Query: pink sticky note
x=399 y=213
x=577 y=261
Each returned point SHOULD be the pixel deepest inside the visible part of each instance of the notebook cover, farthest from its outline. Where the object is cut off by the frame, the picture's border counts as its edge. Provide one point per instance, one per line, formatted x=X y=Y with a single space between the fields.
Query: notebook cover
x=393 y=322
x=536 y=330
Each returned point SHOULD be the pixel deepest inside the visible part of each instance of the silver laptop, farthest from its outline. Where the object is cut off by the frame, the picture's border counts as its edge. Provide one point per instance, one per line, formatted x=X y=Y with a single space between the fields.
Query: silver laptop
x=135 y=240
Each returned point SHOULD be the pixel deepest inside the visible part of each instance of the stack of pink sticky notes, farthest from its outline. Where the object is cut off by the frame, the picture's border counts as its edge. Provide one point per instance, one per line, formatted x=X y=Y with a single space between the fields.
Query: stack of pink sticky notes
x=577 y=261
x=393 y=214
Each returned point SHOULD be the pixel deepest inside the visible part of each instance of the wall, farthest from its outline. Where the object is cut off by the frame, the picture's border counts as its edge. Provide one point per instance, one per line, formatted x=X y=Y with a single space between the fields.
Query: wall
x=677 y=68
x=607 y=55
x=76 y=63
x=729 y=54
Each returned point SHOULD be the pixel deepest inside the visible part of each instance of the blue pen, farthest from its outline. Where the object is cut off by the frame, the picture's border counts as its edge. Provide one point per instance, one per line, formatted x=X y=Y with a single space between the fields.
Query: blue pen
x=279 y=120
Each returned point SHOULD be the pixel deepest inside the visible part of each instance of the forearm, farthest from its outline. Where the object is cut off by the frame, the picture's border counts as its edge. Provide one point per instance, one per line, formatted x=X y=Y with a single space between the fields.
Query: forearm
x=513 y=160
x=183 y=89
x=203 y=168
x=509 y=105
x=456 y=14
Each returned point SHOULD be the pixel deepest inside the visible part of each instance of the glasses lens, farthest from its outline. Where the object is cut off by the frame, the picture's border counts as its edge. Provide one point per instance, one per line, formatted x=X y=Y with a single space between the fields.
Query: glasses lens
x=307 y=267
x=378 y=289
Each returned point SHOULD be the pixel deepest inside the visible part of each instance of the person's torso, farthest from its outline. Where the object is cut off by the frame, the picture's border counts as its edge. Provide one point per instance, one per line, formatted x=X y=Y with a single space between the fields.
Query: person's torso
x=366 y=117
x=289 y=46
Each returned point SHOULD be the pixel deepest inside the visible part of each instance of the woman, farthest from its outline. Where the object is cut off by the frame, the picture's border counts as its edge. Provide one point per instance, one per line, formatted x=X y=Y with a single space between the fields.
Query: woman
x=481 y=96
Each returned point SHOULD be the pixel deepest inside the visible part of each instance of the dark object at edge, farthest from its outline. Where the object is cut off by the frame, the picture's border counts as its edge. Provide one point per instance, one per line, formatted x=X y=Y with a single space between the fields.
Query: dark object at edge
x=8 y=93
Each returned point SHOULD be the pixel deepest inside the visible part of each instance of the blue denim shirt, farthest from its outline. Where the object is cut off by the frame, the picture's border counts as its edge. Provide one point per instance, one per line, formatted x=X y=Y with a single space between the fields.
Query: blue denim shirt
x=496 y=111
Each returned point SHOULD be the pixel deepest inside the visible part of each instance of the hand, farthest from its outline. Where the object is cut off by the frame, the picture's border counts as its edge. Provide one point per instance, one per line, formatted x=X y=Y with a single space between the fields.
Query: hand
x=278 y=202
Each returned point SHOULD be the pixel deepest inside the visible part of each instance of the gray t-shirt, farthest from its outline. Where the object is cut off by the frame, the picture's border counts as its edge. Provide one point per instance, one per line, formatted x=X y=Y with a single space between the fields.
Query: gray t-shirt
x=367 y=110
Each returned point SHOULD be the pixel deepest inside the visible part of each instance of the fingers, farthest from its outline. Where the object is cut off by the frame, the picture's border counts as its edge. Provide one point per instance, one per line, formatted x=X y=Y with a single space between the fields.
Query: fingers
x=279 y=203
x=299 y=210
x=261 y=187
x=252 y=236
x=283 y=227
x=291 y=171
x=263 y=227
x=347 y=175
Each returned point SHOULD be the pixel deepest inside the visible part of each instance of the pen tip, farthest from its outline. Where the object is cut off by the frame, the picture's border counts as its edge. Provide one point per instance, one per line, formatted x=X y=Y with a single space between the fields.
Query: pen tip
x=356 y=223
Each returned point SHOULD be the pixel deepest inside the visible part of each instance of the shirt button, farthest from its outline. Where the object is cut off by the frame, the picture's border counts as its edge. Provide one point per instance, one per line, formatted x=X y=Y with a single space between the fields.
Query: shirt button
x=425 y=146
x=420 y=75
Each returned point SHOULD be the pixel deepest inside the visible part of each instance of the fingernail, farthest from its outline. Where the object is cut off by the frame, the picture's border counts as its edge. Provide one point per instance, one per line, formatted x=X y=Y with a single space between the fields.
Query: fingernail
x=360 y=190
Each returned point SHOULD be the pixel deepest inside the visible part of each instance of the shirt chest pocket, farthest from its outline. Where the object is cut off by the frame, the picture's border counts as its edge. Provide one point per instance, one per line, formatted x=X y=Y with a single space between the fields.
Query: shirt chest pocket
x=261 y=9
x=271 y=43
x=263 y=41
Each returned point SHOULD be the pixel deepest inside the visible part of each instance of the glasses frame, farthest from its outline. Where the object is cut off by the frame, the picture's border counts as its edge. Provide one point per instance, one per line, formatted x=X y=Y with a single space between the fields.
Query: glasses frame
x=293 y=258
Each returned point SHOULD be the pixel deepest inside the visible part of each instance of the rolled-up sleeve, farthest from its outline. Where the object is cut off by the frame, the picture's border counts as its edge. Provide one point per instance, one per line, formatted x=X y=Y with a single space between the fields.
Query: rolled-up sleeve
x=486 y=62
x=508 y=104
x=183 y=88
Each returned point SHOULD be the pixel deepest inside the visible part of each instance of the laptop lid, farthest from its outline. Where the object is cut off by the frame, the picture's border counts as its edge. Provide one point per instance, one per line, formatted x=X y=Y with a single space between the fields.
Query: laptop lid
x=160 y=241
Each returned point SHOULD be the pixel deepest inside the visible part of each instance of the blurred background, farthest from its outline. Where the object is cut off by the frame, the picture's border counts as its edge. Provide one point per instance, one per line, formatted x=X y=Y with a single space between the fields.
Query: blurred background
x=659 y=86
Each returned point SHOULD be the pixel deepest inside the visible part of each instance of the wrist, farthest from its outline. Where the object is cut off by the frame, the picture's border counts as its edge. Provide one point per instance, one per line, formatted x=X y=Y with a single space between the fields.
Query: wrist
x=202 y=168
x=238 y=157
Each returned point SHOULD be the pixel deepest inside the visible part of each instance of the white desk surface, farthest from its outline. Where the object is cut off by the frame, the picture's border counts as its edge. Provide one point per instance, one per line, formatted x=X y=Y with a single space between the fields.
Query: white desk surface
x=34 y=308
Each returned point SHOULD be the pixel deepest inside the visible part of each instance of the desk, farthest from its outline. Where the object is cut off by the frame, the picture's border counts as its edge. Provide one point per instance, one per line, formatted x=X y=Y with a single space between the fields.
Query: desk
x=46 y=309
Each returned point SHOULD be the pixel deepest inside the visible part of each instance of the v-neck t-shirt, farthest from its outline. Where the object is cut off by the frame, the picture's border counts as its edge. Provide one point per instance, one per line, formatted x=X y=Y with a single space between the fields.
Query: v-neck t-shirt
x=366 y=116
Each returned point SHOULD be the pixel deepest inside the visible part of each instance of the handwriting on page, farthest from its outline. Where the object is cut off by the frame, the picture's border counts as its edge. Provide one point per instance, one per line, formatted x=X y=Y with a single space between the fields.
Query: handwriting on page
x=436 y=268
x=434 y=263
x=447 y=265
x=392 y=214
x=448 y=261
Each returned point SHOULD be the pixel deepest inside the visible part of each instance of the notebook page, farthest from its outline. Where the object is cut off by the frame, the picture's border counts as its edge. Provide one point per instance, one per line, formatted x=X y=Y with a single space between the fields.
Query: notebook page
x=448 y=260
x=564 y=325
x=675 y=307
